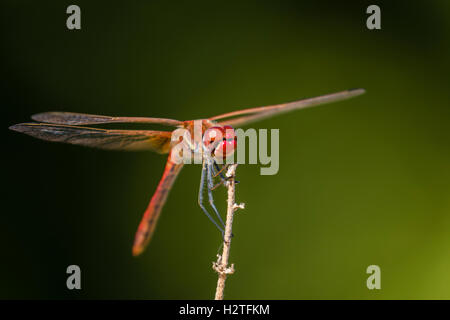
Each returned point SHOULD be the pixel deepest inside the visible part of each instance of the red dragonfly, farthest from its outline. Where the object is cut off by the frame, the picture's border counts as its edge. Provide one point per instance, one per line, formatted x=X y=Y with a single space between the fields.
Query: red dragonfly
x=69 y=127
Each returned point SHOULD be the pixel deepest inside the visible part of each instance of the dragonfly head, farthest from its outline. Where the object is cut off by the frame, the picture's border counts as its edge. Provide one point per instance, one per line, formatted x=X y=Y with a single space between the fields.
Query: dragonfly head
x=220 y=141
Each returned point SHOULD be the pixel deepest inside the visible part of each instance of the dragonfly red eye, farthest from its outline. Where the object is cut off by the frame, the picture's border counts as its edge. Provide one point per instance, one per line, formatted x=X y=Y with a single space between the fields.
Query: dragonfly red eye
x=228 y=145
x=226 y=134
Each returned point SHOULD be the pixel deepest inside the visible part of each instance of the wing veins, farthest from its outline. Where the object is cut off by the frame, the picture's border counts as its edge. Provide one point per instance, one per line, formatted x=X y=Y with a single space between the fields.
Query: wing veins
x=158 y=141
x=246 y=116
x=73 y=118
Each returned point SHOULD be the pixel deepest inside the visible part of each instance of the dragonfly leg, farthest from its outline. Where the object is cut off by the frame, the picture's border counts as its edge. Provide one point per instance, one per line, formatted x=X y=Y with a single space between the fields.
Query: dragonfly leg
x=210 y=172
x=219 y=172
x=217 y=185
x=210 y=195
x=200 y=198
x=216 y=171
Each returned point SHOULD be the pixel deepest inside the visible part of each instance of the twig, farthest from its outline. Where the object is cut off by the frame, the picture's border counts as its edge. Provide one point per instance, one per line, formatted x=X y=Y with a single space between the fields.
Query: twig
x=221 y=265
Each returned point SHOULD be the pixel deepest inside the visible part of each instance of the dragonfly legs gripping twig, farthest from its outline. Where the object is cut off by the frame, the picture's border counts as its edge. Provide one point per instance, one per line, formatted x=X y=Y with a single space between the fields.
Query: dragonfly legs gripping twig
x=207 y=175
x=210 y=170
x=219 y=172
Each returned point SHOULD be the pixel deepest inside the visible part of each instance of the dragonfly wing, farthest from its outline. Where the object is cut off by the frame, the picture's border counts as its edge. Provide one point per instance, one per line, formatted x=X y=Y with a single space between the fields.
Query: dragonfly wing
x=151 y=215
x=246 y=116
x=158 y=141
x=72 y=118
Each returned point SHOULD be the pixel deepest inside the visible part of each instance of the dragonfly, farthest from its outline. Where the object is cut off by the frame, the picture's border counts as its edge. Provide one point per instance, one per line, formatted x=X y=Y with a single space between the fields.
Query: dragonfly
x=69 y=127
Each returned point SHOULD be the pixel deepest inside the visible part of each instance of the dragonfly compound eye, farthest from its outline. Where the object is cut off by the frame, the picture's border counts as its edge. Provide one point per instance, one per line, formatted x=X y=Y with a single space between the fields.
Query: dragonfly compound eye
x=228 y=145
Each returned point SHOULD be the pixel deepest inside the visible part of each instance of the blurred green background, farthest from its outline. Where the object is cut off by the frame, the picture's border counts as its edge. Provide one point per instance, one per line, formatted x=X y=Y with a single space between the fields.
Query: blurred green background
x=364 y=181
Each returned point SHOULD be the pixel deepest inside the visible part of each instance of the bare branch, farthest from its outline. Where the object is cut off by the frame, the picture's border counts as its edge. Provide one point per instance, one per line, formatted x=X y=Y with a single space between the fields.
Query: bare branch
x=221 y=265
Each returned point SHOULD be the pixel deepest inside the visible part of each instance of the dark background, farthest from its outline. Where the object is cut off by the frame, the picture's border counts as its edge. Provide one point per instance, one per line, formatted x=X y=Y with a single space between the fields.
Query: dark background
x=361 y=182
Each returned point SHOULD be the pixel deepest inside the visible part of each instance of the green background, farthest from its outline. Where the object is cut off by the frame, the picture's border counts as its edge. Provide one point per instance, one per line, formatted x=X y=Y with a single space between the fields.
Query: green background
x=361 y=182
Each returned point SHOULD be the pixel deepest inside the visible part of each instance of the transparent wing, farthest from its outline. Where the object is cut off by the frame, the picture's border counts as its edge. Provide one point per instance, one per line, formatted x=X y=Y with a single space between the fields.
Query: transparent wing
x=151 y=215
x=158 y=141
x=72 y=118
x=246 y=116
